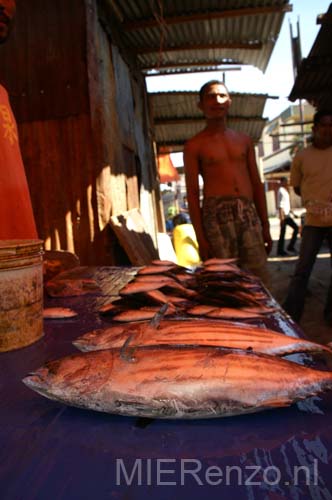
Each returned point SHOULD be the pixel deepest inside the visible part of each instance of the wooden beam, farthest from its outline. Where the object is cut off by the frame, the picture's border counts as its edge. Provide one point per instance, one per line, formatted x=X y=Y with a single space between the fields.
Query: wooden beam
x=196 y=119
x=205 y=16
x=225 y=45
x=307 y=122
x=212 y=64
x=290 y=133
x=199 y=68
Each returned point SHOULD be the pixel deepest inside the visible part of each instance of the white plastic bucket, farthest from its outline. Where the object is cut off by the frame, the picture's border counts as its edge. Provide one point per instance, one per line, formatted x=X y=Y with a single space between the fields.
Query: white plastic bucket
x=21 y=293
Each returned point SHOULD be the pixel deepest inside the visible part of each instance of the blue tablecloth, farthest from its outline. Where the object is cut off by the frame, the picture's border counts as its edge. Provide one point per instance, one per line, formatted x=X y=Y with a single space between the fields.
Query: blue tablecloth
x=50 y=451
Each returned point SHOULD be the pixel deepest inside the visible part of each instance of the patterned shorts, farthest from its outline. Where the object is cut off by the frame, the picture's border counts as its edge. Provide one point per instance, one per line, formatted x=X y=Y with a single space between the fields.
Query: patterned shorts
x=233 y=229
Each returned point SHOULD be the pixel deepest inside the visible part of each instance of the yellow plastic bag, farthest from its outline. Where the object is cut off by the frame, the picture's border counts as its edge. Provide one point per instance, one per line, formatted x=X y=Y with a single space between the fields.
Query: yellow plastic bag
x=185 y=245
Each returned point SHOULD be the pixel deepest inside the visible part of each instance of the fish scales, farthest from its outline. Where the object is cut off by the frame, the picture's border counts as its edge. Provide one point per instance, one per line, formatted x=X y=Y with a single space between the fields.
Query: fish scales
x=199 y=332
x=177 y=383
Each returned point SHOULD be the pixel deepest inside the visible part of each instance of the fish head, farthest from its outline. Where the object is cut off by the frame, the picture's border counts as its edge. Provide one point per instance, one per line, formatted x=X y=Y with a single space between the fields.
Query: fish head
x=41 y=379
x=106 y=338
x=72 y=377
x=101 y=338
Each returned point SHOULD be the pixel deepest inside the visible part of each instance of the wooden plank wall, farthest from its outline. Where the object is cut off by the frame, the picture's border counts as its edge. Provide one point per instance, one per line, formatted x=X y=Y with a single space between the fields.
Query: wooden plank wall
x=44 y=70
x=121 y=121
x=84 y=161
x=44 y=60
x=59 y=158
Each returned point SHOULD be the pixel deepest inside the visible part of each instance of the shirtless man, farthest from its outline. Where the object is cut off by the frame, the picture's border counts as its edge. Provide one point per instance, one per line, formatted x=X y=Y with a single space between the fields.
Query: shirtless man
x=232 y=221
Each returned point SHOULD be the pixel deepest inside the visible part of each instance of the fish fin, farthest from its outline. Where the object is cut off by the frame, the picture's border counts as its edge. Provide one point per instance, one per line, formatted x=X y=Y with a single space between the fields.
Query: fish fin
x=155 y=321
x=275 y=403
x=126 y=352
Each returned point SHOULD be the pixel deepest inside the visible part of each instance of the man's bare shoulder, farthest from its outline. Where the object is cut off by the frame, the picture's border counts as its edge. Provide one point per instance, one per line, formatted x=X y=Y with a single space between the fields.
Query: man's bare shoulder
x=208 y=138
x=301 y=153
x=195 y=141
x=239 y=136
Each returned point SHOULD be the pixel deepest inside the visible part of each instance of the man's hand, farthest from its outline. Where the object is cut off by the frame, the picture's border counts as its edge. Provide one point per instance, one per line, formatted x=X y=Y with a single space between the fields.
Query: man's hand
x=281 y=215
x=267 y=236
x=267 y=240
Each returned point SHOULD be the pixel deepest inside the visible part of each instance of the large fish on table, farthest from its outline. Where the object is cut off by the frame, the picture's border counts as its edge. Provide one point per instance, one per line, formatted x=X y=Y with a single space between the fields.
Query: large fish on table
x=177 y=383
x=197 y=332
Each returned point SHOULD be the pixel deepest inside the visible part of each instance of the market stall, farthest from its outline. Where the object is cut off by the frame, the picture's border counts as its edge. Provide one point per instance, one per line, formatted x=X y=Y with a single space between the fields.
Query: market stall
x=50 y=450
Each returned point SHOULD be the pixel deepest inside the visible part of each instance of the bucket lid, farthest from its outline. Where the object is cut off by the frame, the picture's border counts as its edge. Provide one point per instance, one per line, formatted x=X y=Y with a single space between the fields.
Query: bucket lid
x=20 y=247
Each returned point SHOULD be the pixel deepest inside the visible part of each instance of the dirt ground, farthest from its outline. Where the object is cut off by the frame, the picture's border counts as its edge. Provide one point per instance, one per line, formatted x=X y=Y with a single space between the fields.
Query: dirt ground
x=282 y=268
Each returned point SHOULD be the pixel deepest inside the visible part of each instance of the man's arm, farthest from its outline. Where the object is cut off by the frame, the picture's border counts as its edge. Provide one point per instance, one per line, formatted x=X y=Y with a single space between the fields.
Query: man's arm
x=281 y=214
x=191 y=167
x=259 y=196
x=296 y=175
x=280 y=209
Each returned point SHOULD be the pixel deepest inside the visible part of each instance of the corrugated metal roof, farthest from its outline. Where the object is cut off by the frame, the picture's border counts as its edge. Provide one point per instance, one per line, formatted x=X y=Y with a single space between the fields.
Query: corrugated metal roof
x=177 y=33
x=172 y=137
x=179 y=104
x=177 y=117
x=314 y=79
x=279 y=166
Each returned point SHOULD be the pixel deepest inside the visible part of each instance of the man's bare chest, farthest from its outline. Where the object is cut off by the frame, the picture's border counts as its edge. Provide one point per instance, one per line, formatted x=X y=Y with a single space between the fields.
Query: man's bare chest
x=216 y=151
x=215 y=155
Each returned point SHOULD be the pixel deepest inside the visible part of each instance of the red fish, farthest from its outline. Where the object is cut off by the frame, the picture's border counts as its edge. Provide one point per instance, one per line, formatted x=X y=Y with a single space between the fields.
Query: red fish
x=177 y=383
x=58 y=313
x=198 y=332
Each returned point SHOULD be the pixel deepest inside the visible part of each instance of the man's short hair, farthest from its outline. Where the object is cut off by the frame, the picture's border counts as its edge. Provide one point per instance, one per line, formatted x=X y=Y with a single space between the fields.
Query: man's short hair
x=208 y=85
x=320 y=113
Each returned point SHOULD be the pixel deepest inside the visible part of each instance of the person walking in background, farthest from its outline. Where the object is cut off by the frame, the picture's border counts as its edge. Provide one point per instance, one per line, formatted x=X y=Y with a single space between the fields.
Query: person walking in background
x=184 y=209
x=171 y=212
x=286 y=219
x=311 y=176
x=16 y=216
x=232 y=221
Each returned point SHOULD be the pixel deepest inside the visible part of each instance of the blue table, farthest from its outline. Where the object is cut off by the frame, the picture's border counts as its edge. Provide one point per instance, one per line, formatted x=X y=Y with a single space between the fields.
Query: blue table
x=50 y=451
